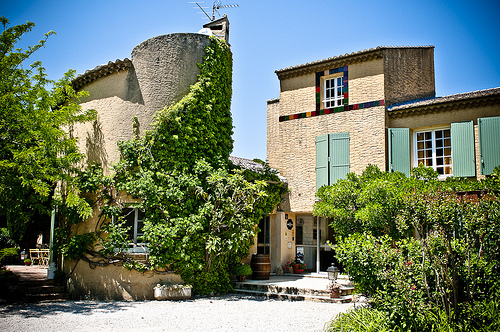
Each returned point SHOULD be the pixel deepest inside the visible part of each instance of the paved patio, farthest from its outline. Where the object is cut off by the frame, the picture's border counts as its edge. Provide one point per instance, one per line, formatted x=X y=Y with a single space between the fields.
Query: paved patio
x=31 y=272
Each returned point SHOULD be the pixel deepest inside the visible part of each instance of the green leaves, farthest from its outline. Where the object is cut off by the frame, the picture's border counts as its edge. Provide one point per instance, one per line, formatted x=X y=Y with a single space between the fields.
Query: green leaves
x=36 y=149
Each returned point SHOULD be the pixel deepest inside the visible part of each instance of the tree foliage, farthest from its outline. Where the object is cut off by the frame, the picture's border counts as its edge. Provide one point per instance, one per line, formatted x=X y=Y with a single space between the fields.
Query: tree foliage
x=36 y=149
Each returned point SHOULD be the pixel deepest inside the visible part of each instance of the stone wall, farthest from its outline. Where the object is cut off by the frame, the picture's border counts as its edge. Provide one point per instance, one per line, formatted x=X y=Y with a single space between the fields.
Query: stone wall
x=291 y=144
x=409 y=74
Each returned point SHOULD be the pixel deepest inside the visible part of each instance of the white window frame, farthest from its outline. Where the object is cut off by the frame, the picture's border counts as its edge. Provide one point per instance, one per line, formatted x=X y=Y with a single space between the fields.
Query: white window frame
x=335 y=98
x=434 y=154
x=134 y=246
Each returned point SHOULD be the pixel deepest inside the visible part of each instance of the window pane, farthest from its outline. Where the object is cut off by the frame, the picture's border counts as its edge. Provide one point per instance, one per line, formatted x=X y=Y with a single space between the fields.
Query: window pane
x=447 y=133
x=428 y=144
x=428 y=135
x=447 y=151
x=328 y=84
x=439 y=134
x=339 y=81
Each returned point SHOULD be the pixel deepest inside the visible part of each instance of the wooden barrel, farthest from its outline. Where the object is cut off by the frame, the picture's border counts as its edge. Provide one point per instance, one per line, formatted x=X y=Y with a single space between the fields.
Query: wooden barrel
x=261 y=267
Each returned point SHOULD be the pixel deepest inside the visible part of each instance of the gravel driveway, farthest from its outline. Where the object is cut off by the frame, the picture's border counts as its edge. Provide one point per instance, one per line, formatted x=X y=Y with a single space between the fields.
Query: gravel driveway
x=225 y=313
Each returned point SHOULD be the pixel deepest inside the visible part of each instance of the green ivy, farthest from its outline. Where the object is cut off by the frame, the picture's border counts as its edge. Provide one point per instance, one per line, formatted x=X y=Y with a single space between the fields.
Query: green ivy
x=200 y=211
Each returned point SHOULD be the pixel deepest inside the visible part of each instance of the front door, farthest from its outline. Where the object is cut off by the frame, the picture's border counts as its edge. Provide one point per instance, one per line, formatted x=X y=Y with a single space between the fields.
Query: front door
x=311 y=242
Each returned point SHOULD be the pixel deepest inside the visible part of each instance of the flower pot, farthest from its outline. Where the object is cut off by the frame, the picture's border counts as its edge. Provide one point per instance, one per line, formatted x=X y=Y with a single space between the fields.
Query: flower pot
x=241 y=278
x=296 y=269
x=169 y=293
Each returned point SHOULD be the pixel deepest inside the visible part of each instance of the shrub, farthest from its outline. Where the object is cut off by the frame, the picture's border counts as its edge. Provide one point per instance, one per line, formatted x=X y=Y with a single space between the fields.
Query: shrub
x=363 y=319
x=9 y=256
x=5 y=239
x=242 y=270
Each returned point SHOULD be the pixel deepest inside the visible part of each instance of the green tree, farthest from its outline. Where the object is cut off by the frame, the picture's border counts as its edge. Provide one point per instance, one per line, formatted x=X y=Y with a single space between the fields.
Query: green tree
x=36 y=149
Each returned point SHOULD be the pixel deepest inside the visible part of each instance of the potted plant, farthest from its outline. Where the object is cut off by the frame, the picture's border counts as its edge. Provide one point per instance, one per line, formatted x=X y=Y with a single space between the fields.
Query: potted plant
x=27 y=262
x=297 y=266
x=164 y=290
x=241 y=271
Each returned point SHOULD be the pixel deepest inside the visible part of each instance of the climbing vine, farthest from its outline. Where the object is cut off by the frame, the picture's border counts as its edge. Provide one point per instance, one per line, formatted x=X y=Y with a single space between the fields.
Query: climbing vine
x=200 y=211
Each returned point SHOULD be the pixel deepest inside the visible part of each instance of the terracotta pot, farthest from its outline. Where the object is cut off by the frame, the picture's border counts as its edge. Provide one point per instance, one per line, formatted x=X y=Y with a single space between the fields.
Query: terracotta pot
x=335 y=293
x=296 y=269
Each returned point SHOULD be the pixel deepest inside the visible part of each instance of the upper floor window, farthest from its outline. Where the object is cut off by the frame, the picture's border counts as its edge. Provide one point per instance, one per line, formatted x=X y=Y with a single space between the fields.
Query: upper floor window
x=433 y=149
x=333 y=92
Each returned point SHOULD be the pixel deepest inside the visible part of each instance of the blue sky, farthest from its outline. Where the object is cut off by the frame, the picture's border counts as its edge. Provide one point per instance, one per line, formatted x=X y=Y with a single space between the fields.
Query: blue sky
x=270 y=35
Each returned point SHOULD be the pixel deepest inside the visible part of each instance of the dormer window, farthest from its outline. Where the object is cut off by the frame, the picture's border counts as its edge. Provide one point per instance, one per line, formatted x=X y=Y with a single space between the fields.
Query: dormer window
x=333 y=92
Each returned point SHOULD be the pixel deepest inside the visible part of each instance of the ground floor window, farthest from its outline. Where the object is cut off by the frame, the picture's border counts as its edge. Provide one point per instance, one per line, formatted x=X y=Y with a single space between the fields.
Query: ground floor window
x=433 y=149
x=134 y=221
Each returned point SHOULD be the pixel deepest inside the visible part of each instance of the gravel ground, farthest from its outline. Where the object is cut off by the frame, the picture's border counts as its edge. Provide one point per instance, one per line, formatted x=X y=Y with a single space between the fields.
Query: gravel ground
x=225 y=313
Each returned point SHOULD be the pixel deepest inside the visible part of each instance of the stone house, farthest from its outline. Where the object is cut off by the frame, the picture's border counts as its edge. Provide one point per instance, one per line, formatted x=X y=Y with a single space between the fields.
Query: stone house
x=376 y=106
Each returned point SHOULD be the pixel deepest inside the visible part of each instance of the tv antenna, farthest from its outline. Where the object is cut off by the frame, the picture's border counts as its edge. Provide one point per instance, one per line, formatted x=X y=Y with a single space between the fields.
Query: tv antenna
x=215 y=8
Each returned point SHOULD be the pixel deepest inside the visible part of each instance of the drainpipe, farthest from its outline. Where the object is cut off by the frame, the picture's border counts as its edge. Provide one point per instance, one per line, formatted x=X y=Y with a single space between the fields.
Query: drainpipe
x=52 y=264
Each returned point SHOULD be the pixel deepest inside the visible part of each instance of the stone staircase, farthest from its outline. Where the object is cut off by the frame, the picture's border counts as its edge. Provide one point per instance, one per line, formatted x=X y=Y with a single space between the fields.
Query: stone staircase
x=33 y=286
x=293 y=290
x=42 y=290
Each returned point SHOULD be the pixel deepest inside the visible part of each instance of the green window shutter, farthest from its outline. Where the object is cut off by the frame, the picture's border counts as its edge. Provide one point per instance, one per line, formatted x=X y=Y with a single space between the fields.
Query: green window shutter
x=489 y=144
x=339 y=156
x=462 y=149
x=399 y=150
x=321 y=161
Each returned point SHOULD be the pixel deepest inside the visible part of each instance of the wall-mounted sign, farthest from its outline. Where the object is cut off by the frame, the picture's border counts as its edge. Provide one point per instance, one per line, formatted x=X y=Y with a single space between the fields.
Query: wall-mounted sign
x=289 y=224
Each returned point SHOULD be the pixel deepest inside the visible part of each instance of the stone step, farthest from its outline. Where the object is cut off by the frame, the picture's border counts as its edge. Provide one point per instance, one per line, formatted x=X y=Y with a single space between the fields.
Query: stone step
x=36 y=290
x=46 y=297
x=271 y=288
x=296 y=297
x=44 y=289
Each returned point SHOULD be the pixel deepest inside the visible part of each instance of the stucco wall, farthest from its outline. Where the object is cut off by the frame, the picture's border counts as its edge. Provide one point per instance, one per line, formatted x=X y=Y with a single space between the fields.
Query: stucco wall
x=163 y=69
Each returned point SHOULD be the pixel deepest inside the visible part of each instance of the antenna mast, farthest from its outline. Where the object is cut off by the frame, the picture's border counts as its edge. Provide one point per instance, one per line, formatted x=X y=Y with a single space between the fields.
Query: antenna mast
x=215 y=8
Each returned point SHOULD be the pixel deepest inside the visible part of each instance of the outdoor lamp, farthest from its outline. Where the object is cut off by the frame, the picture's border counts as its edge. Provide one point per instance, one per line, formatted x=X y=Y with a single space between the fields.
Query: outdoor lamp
x=333 y=273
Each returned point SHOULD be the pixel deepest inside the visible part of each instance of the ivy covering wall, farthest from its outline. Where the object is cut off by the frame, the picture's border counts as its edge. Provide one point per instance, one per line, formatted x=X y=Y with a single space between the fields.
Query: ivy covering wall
x=200 y=211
